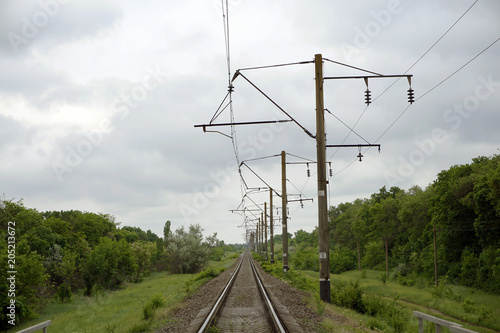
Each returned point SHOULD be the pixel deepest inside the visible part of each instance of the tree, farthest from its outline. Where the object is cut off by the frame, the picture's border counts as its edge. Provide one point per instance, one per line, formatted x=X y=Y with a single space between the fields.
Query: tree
x=94 y=226
x=109 y=265
x=167 y=233
x=387 y=223
x=187 y=253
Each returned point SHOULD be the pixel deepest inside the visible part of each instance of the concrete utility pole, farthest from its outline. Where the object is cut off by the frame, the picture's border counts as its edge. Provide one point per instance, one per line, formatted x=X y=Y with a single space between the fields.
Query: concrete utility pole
x=271 y=226
x=324 y=235
x=284 y=212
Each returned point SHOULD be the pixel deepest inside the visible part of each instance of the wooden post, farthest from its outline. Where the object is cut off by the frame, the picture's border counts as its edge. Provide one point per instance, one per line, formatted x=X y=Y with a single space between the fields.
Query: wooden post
x=323 y=228
x=264 y=217
x=271 y=226
x=284 y=212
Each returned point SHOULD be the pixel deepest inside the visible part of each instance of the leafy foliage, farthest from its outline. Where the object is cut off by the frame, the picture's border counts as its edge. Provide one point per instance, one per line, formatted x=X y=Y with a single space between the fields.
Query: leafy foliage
x=396 y=229
x=58 y=252
x=187 y=253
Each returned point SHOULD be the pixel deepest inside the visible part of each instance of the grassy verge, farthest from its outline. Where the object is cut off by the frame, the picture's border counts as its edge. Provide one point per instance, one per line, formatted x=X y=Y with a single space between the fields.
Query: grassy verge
x=141 y=307
x=475 y=309
x=388 y=307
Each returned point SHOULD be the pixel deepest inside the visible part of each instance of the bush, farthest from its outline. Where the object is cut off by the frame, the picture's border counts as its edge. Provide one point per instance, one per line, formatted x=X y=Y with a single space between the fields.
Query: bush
x=390 y=312
x=306 y=259
x=154 y=303
x=374 y=305
x=342 y=260
x=148 y=311
x=488 y=273
x=208 y=273
x=157 y=300
x=348 y=295
x=64 y=293
x=374 y=254
x=469 y=267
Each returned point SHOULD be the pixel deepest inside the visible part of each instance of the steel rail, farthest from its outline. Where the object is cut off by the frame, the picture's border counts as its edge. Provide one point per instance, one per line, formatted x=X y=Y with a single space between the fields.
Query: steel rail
x=274 y=315
x=215 y=309
x=218 y=304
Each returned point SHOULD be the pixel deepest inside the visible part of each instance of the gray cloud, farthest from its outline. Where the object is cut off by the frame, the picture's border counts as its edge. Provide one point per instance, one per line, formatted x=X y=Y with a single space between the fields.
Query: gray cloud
x=97 y=109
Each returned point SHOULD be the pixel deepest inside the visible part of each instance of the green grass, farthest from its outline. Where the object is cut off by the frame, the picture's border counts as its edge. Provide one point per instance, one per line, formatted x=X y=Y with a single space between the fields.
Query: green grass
x=449 y=305
x=122 y=310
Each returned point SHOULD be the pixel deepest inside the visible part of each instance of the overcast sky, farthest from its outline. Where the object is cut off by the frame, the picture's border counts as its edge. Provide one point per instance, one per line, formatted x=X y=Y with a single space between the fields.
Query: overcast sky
x=99 y=98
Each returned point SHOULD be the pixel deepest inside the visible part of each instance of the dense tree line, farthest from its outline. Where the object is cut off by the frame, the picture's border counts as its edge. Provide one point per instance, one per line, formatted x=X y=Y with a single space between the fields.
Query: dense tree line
x=451 y=229
x=57 y=253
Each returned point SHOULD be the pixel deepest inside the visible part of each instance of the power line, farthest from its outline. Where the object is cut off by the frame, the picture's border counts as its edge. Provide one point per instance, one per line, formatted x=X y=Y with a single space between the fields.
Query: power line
x=279 y=107
x=437 y=85
x=430 y=48
x=462 y=67
x=409 y=68
x=278 y=65
x=352 y=130
x=424 y=94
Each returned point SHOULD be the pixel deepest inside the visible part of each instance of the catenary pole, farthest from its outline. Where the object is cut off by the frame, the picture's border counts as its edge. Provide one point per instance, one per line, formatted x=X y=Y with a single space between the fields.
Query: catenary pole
x=271 y=226
x=284 y=211
x=324 y=237
x=264 y=214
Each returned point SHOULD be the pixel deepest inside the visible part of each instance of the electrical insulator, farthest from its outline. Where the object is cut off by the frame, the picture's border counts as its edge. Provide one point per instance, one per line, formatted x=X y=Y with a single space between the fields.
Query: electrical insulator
x=410 y=96
x=308 y=171
x=368 y=97
x=331 y=172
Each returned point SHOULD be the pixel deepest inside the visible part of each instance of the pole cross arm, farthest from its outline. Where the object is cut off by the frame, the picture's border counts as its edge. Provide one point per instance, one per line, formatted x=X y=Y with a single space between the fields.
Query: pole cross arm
x=245 y=123
x=354 y=146
x=365 y=77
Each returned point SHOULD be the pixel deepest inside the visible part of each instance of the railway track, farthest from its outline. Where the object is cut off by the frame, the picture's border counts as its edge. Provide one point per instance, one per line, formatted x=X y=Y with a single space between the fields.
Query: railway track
x=244 y=305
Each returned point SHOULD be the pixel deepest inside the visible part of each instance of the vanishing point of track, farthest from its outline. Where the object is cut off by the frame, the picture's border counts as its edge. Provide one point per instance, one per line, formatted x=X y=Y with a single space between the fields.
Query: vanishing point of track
x=244 y=305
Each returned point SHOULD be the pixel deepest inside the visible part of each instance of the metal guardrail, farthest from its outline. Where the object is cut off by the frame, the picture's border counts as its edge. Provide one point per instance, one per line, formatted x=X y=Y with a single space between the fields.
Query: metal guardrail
x=454 y=327
x=42 y=326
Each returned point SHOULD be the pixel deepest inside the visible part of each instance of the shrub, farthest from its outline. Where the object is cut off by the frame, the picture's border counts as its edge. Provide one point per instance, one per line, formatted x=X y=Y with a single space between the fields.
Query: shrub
x=157 y=300
x=348 y=295
x=374 y=254
x=469 y=267
x=148 y=311
x=208 y=273
x=342 y=260
x=469 y=305
x=306 y=259
x=482 y=311
x=383 y=277
x=64 y=293
x=390 y=312
x=374 y=305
